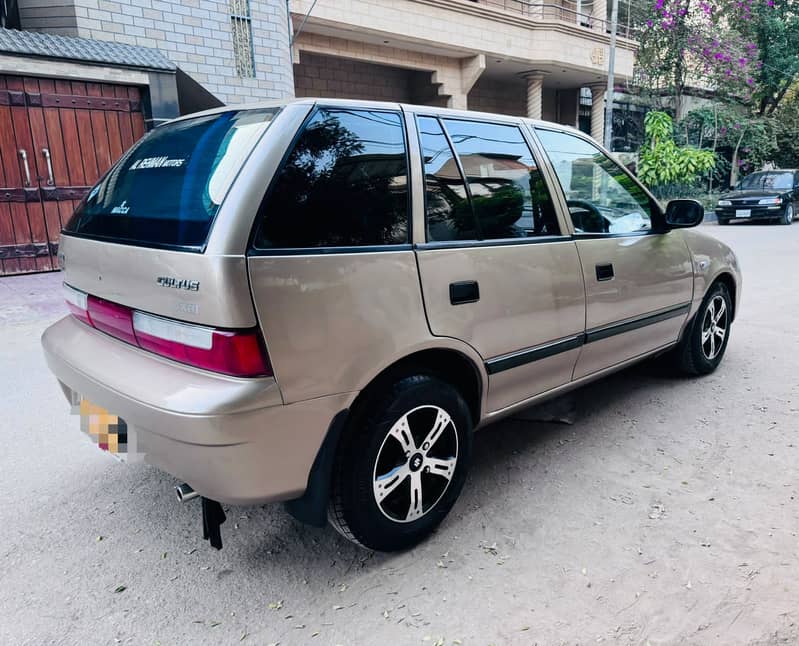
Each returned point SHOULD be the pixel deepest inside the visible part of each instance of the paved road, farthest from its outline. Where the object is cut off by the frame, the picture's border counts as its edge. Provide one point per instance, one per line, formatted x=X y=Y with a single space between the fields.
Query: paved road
x=667 y=513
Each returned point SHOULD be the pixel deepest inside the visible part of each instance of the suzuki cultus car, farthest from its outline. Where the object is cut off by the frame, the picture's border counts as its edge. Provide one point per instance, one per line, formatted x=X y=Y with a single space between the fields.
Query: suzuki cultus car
x=320 y=302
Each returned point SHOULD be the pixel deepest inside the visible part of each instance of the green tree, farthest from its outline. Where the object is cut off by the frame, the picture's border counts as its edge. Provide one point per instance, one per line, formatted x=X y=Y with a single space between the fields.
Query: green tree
x=774 y=32
x=786 y=130
x=664 y=164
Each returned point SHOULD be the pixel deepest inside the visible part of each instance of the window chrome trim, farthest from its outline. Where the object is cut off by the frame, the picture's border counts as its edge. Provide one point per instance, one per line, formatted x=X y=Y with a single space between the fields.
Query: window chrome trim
x=496 y=242
x=326 y=251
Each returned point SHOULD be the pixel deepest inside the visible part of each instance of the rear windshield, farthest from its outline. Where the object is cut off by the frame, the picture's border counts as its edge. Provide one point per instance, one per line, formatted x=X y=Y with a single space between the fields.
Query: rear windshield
x=168 y=188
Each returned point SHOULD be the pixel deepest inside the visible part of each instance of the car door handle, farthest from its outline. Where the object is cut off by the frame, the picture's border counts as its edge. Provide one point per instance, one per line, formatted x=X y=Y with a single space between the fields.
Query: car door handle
x=467 y=291
x=604 y=272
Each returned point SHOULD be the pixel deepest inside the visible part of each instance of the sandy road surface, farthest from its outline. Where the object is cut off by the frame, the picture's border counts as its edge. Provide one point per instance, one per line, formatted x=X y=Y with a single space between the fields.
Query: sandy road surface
x=667 y=513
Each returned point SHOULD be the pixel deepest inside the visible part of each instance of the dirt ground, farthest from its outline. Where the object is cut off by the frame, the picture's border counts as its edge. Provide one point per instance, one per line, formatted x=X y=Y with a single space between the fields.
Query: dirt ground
x=667 y=513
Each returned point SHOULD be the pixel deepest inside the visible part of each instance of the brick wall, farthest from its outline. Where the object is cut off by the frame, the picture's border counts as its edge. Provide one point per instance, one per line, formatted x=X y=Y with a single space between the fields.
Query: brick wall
x=53 y=16
x=196 y=35
x=332 y=77
x=500 y=96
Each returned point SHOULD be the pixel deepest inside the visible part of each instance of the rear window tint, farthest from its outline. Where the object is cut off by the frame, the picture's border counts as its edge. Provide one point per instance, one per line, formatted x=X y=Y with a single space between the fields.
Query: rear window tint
x=168 y=188
x=344 y=184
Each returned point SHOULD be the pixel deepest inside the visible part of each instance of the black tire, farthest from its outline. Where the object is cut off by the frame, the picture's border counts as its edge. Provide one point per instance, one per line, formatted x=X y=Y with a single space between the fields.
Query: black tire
x=691 y=358
x=366 y=448
x=723 y=222
x=787 y=215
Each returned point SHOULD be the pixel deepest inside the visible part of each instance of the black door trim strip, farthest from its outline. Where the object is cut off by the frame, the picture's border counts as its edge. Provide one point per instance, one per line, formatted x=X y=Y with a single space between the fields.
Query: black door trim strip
x=599 y=333
x=521 y=357
x=516 y=359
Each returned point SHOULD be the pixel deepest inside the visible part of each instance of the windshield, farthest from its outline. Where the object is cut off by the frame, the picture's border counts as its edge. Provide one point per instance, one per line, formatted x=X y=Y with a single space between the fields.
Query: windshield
x=778 y=180
x=167 y=189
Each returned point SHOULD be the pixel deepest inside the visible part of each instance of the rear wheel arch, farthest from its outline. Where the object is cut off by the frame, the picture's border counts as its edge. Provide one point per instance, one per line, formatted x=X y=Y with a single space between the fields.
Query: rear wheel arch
x=446 y=364
x=729 y=282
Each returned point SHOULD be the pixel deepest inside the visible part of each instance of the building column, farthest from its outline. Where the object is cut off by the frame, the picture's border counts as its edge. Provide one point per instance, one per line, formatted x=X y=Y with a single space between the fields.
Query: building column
x=600 y=15
x=598 y=111
x=455 y=83
x=535 y=87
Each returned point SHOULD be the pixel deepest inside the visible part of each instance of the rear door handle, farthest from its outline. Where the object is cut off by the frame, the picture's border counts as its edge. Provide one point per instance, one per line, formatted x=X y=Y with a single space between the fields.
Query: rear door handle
x=604 y=272
x=467 y=291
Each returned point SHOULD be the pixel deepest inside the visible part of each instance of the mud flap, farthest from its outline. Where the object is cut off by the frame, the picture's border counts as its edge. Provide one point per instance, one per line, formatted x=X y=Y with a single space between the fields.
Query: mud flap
x=213 y=517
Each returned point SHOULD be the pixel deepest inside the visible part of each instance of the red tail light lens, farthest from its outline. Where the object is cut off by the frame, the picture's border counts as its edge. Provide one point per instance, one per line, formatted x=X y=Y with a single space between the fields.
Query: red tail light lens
x=113 y=319
x=231 y=352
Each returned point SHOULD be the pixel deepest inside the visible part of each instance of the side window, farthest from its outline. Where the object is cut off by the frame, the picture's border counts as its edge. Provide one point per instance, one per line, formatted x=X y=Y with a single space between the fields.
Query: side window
x=448 y=212
x=344 y=184
x=601 y=196
x=508 y=193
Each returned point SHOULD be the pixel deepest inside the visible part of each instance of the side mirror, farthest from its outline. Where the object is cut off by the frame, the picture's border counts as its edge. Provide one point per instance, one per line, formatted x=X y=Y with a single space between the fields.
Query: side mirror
x=681 y=214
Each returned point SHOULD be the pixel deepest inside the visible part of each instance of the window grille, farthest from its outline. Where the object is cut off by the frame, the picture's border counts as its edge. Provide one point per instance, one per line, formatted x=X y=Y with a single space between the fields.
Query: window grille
x=241 y=29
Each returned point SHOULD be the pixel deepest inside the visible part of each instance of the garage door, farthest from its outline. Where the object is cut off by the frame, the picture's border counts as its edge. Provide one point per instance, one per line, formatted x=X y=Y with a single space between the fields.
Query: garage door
x=57 y=137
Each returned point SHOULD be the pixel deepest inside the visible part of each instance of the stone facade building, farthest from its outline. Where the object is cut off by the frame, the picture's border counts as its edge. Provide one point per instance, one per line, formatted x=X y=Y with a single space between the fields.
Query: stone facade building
x=540 y=58
x=237 y=50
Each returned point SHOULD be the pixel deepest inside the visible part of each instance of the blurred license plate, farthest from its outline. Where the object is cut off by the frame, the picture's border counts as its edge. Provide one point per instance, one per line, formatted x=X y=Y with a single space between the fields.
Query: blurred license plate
x=108 y=431
x=743 y=213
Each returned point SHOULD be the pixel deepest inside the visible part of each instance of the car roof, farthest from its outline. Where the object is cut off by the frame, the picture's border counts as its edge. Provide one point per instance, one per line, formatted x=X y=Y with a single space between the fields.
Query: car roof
x=384 y=105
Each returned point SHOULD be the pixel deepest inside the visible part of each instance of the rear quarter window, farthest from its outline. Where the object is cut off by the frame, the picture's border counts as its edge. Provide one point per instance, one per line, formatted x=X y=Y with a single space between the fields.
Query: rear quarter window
x=344 y=184
x=167 y=189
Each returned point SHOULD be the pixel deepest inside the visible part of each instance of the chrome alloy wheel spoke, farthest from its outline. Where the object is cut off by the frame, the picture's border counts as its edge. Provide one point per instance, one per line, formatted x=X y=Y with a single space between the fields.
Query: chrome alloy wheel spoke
x=440 y=467
x=415 y=475
x=714 y=328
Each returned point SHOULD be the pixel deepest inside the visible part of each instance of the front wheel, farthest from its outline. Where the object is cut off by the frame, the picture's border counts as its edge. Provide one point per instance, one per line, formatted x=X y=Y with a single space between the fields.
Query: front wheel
x=705 y=341
x=787 y=216
x=723 y=221
x=402 y=464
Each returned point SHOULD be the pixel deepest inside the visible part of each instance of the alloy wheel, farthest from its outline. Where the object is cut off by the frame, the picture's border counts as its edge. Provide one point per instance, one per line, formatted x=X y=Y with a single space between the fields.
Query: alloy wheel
x=714 y=327
x=415 y=463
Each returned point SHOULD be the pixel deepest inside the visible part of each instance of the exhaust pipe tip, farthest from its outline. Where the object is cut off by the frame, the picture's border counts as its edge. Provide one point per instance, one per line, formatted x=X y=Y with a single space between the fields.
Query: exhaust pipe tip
x=185 y=493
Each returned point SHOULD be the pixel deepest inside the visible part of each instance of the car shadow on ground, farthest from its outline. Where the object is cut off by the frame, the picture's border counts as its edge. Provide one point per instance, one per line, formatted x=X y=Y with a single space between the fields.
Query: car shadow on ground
x=265 y=541
x=274 y=548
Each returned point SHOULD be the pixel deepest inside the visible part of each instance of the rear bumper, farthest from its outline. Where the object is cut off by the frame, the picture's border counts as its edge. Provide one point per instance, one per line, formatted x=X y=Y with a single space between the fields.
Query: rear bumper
x=231 y=439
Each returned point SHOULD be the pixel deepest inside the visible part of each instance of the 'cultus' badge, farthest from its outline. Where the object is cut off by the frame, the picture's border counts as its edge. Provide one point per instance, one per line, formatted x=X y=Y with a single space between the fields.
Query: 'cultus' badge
x=178 y=283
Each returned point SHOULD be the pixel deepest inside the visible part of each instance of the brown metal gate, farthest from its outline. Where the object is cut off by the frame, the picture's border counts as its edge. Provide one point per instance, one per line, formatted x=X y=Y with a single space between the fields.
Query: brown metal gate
x=57 y=137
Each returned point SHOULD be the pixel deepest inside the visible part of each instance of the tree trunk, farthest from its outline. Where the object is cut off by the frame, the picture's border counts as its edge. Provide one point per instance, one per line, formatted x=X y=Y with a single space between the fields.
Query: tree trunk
x=734 y=171
x=715 y=143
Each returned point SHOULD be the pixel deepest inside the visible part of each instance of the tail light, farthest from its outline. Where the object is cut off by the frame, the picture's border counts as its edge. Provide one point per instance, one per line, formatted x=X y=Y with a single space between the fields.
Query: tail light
x=113 y=319
x=78 y=303
x=234 y=353
x=239 y=353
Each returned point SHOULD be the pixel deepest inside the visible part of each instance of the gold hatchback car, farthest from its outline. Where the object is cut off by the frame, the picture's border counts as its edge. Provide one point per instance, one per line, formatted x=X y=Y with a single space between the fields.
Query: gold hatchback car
x=319 y=302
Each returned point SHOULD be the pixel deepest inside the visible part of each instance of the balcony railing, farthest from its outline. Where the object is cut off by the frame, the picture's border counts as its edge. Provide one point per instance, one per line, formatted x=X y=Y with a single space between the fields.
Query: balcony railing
x=563 y=10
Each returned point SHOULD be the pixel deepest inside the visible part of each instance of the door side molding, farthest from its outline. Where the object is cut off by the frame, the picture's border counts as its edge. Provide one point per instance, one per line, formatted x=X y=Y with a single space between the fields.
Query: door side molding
x=605 y=331
x=521 y=357
x=528 y=355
